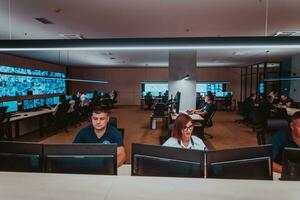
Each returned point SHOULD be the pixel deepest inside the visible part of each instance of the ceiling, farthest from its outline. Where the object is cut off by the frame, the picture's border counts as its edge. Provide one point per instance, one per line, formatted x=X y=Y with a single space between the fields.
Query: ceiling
x=150 y=19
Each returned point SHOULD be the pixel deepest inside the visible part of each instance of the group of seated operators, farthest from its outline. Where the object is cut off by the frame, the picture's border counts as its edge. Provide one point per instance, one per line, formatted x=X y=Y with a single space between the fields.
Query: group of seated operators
x=79 y=107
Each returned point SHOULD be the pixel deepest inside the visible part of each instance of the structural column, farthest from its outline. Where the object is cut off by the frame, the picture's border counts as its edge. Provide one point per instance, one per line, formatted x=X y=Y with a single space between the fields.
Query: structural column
x=183 y=63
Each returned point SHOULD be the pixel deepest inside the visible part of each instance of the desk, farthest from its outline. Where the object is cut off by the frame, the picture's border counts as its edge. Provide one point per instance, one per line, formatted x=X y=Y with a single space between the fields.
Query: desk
x=39 y=186
x=28 y=115
x=195 y=117
x=291 y=111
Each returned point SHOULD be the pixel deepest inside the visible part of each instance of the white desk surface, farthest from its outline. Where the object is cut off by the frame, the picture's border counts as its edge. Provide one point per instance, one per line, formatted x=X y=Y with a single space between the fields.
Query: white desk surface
x=291 y=111
x=39 y=186
x=24 y=115
x=194 y=117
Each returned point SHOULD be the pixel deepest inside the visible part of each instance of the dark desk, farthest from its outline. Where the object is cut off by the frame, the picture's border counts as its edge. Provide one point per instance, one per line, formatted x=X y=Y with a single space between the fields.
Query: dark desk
x=28 y=115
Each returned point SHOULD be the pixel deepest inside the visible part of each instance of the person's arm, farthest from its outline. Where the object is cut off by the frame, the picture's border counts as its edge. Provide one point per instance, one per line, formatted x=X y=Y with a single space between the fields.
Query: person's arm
x=202 y=113
x=277 y=167
x=121 y=156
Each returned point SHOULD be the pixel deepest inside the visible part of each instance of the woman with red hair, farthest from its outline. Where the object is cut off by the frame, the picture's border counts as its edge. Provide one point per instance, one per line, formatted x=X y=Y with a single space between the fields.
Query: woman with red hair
x=182 y=134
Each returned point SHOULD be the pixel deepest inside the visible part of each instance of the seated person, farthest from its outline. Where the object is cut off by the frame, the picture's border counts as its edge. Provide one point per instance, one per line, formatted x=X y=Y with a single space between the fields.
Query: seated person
x=101 y=132
x=149 y=100
x=285 y=101
x=182 y=135
x=207 y=108
x=282 y=139
x=267 y=106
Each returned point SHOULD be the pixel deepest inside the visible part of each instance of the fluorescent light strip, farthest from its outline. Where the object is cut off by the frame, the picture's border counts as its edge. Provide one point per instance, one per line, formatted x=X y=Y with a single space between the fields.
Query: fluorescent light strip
x=155 y=48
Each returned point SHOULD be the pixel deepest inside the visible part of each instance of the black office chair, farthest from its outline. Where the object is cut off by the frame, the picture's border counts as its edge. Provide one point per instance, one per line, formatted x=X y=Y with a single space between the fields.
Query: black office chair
x=21 y=156
x=61 y=116
x=208 y=122
x=272 y=126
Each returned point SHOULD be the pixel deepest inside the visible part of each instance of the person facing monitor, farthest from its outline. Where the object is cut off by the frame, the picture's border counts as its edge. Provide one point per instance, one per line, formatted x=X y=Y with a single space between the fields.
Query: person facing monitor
x=287 y=138
x=207 y=108
x=285 y=101
x=182 y=135
x=101 y=132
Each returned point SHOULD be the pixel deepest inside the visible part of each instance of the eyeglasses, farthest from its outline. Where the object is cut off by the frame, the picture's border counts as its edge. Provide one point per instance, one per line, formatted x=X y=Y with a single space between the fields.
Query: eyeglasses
x=188 y=128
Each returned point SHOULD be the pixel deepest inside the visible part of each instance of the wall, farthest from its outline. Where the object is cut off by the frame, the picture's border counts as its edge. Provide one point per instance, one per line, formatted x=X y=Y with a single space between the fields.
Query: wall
x=127 y=81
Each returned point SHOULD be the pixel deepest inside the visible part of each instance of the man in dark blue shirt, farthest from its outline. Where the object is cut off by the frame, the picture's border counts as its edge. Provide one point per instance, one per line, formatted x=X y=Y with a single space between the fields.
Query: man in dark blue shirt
x=101 y=132
x=282 y=139
x=207 y=108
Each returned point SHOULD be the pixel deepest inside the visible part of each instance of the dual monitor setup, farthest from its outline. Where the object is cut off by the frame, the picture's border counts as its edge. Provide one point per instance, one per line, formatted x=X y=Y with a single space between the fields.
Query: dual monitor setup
x=147 y=160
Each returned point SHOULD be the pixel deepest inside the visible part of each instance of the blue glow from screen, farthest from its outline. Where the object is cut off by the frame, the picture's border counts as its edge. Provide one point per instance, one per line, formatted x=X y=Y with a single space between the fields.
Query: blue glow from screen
x=12 y=105
x=155 y=88
x=18 y=85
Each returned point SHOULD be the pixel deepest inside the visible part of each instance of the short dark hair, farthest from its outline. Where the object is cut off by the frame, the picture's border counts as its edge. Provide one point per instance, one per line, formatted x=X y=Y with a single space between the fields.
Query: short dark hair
x=210 y=97
x=296 y=116
x=99 y=109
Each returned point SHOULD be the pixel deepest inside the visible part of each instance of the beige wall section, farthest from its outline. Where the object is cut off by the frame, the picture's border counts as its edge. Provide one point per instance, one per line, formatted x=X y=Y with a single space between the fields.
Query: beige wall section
x=127 y=81
x=15 y=61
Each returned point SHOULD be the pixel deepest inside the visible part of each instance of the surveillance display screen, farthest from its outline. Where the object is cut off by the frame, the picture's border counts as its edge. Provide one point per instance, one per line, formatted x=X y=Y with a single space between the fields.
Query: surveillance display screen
x=89 y=95
x=154 y=88
x=27 y=104
x=216 y=88
x=23 y=80
x=37 y=103
x=52 y=101
x=12 y=106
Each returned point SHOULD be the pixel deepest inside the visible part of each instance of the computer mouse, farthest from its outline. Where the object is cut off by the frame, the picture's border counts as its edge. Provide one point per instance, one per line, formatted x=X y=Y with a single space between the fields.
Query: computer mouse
x=25 y=115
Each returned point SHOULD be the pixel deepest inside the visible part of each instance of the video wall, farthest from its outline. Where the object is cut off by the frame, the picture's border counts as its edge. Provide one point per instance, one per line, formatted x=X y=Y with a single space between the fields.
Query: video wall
x=217 y=89
x=16 y=81
x=154 y=88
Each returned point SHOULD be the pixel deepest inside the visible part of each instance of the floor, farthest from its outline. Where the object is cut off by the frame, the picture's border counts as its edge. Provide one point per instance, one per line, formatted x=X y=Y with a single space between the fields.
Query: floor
x=226 y=133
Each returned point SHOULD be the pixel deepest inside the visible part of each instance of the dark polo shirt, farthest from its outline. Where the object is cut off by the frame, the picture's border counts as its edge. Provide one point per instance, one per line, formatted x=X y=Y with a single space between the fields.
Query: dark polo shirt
x=279 y=141
x=88 y=135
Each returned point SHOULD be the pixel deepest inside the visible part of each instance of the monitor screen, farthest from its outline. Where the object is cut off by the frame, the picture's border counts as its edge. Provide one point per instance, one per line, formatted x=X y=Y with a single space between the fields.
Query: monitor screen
x=154 y=160
x=177 y=102
x=291 y=164
x=38 y=103
x=154 y=88
x=27 y=104
x=20 y=156
x=210 y=87
x=24 y=80
x=241 y=163
x=12 y=106
x=81 y=158
x=89 y=95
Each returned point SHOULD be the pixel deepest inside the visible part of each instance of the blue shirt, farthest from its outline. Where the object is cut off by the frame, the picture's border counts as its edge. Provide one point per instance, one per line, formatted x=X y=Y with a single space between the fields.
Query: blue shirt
x=279 y=141
x=88 y=135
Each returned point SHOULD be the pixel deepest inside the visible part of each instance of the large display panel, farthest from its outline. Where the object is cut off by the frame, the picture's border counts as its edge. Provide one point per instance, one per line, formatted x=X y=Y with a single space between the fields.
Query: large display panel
x=154 y=88
x=16 y=81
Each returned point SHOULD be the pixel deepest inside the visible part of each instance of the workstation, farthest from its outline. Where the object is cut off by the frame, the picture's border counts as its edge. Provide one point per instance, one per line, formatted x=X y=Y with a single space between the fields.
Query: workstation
x=181 y=95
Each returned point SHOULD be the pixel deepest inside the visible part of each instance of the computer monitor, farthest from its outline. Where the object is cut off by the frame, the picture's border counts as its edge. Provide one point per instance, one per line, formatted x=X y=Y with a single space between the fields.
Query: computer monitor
x=89 y=95
x=27 y=104
x=177 y=101
x=155 y=160
x=291 y=164
x=81 y=158
x=240 y=163
x=3 y=109
x=52 y=101
x=12 y=106
x=38 y=103
x=21 y=156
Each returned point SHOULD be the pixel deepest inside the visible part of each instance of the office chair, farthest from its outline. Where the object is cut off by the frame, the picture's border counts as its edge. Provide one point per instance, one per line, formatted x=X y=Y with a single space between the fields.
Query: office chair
x=272 y=126
x=209 y=123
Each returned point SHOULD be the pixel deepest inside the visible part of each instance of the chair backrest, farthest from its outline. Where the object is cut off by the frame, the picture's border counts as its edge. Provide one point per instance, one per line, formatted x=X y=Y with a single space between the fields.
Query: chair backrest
x=62 y=109
x=208 y=120
x=113 y=121
x=21 y=156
